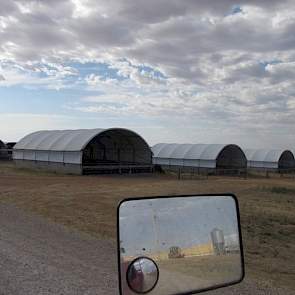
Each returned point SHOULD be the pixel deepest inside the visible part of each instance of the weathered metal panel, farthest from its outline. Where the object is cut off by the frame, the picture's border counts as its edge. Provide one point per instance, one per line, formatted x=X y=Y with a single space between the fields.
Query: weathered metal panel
x=57 y=157
x=191 y=163
x=162 y=161
x=73 y=157
x=42 y=156
x=176 y=162
x=18 y=154
x=50 y=166
x=29 y=155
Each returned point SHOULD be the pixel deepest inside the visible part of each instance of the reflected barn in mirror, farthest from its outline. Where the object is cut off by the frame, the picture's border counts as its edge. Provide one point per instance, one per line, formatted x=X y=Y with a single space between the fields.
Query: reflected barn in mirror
x=194 y=241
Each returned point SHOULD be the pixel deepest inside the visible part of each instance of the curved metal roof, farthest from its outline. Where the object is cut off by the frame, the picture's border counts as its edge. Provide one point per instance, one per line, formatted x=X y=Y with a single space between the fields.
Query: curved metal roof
x=64 y=140
x=264 y=155
x=157 y=147
x=2 y=145
x=188 y=151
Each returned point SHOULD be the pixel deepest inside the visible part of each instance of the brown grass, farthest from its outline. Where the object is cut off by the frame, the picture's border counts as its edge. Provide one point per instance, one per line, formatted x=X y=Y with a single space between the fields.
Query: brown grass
x=219 y=269
x=89 y=203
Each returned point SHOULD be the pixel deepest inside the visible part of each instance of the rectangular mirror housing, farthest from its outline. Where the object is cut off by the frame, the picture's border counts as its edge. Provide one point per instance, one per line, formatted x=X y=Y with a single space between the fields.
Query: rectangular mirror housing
x=179 y=244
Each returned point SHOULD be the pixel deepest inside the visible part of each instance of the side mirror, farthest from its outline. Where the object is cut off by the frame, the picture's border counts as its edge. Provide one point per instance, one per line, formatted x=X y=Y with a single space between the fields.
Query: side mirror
x=179 y=244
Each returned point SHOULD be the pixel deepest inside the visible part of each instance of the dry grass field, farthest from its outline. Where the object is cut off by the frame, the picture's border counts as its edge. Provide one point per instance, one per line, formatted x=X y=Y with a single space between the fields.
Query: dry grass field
x=89 y=203
x=212 y=268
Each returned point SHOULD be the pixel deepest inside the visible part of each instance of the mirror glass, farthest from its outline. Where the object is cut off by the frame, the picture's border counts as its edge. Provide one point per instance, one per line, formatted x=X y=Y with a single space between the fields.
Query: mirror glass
x=193 y=240
x=142 y=275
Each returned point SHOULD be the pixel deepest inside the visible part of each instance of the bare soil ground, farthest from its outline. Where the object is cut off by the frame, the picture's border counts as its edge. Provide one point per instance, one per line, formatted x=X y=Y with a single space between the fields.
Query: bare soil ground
x=88 y=203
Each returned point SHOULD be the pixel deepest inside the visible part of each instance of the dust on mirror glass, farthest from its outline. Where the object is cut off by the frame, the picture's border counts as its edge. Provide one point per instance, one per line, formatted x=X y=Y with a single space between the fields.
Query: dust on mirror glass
x=194 y=242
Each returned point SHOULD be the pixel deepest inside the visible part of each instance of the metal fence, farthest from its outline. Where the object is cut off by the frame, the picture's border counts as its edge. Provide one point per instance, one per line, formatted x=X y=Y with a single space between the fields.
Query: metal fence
x=205 y=173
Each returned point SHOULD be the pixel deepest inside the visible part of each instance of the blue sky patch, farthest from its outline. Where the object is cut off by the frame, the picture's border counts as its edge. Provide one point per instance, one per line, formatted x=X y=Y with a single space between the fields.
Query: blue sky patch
x=235 y=10
x=103 y=70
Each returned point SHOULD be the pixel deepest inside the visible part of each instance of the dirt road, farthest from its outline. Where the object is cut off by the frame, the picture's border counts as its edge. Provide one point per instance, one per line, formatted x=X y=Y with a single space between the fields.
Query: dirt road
x=41 y=257
x=37 y=257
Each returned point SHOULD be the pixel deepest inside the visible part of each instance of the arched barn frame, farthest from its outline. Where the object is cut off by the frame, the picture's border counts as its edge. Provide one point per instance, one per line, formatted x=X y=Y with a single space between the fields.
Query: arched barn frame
x=3 y=151
x=2 y=145
x=286 y=160
x=85 y=151
x=264 y=159
x=230 y=157
x=209 y=156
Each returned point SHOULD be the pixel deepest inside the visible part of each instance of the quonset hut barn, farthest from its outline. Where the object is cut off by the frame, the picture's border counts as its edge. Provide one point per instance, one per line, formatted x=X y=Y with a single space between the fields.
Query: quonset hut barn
x=84 y=151
x=209 y=156
x=263 y=159
x=3 y=151
x=10 y=146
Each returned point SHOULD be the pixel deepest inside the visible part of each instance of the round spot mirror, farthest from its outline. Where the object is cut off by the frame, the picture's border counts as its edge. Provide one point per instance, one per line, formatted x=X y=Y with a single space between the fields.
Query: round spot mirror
x=142 y=275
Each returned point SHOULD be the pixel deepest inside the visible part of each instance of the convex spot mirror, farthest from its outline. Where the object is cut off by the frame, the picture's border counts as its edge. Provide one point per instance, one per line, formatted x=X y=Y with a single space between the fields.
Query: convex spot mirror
x=179 y=244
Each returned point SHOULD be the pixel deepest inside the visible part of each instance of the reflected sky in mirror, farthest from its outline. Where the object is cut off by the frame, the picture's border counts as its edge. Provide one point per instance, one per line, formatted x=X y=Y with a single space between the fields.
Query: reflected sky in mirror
x=154 y=225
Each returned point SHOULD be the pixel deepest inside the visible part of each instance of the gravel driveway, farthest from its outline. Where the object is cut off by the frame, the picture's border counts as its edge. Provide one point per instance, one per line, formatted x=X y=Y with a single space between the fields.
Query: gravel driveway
x=41 y=257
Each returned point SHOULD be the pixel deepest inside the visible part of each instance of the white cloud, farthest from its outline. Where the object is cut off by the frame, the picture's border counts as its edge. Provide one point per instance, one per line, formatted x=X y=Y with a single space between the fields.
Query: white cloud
x=205 y=63
x=281 y=72
x=17 y=125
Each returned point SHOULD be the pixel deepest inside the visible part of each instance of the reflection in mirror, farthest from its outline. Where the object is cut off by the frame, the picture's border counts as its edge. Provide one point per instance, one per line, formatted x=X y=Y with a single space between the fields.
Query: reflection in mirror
x=142 y=275
x=194 y=241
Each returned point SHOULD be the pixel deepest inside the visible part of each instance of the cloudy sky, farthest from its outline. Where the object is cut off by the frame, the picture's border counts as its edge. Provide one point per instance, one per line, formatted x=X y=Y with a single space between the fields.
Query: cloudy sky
x=152 y=224
x=195 y=71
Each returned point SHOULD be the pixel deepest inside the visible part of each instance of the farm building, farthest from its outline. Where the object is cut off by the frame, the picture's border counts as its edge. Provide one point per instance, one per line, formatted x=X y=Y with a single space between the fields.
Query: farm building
x=84 y=151
x=270 y=159
x=210 y=156
x=4 y=155
x=10 y=145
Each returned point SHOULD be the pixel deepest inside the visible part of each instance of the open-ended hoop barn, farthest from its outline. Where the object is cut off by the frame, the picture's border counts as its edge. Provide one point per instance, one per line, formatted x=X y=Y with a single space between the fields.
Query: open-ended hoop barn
x=270 y=159
x=84 y=151
x=3 y=151
x=210 y=156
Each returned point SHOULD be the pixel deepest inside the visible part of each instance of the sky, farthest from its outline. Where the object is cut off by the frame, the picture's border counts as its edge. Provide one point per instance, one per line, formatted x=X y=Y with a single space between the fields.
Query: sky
x=158 y=224
x=189 y=71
